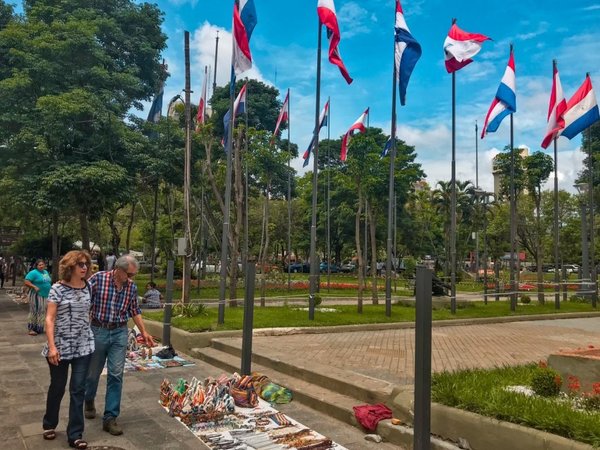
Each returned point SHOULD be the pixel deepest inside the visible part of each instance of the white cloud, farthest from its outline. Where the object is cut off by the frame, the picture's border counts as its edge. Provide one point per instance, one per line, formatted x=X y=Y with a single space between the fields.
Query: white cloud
x=354 y=20
x=202 y=48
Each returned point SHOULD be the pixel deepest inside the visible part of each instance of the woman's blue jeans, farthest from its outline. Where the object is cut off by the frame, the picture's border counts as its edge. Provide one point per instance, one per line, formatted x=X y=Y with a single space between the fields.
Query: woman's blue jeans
x=111 y=348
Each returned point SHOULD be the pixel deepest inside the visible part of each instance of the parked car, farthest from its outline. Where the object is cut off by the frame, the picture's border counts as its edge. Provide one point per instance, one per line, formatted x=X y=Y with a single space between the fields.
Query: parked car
x=348 y=267
x=298 y=267
x=333 y=268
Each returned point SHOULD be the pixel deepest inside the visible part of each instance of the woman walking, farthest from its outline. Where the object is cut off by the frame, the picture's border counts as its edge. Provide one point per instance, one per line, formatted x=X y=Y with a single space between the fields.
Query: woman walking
x=38 y=281
x=70 y=343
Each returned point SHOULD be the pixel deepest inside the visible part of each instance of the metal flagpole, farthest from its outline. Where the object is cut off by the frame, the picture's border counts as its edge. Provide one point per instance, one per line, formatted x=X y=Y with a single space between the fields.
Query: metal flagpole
x=328 y=196
x=289 y=242
x=593 y=271
x=477 y=188
x=453 y=202
x=216 y=55
x=391 y=198
x=513 y=219
x=556 y=237
x=227 y=201
x=246 y=200
x=314 y=266
x=185 y=294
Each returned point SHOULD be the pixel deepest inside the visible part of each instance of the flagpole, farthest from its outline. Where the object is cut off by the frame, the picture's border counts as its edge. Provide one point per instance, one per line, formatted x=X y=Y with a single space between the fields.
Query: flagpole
x=185 y=294
x=593 y=271
x=227 y=201
x=246 y=199
x=216 y=55
x=391 y=198
x=477 y=188
x=328 y=195
x=314 y=266
x=453 y=200
x=556 y=236
x=513 y=218
x=289 y=240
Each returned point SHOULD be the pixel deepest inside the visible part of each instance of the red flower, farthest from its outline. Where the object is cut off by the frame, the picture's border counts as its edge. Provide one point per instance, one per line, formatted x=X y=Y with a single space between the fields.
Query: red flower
x=596 y=388
x=574 y=385
x=558 y=380
x=542 y=364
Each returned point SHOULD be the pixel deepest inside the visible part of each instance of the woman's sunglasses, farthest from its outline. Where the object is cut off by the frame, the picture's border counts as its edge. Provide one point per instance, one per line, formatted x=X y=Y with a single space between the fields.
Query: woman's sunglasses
x=81 y=265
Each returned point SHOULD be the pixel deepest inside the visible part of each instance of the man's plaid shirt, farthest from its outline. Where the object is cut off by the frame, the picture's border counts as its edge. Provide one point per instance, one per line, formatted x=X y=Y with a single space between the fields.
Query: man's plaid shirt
x=110 y=305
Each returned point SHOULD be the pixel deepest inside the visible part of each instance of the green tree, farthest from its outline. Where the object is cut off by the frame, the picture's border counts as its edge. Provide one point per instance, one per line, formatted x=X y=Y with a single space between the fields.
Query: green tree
x=69 y=75
x=538 y=167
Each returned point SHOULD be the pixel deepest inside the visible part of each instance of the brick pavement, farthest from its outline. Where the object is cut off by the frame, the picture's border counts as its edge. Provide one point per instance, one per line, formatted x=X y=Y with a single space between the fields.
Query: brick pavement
x=24 y=380
x=389 y=354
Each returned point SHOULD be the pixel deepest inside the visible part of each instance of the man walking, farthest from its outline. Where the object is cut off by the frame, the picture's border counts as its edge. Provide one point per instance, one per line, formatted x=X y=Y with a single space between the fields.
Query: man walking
x=110 y=261
x=114 y=302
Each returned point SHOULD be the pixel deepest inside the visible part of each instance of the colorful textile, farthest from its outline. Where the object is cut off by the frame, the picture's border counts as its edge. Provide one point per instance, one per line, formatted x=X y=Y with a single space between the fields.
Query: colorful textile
x=37 y=312
x=110 y=305
x=370 y=415
x=274 y=393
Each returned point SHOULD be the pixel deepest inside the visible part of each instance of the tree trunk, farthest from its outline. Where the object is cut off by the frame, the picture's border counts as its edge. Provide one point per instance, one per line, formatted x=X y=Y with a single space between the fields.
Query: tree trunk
x=115 y=237
x=55 y=249
x=538 y=245
x=239 y=221
x=261 y=253
x=85 y=231
x=130 y=226
x=359 y=251
x=374 y=271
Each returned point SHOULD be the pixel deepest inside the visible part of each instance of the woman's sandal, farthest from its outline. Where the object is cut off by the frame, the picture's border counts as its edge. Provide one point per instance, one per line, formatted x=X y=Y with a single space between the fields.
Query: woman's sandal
x=78 y=443
x=49 y=435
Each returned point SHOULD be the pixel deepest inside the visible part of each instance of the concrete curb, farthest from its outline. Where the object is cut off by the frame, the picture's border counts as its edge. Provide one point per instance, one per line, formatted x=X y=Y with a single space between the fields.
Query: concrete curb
x=480 y=432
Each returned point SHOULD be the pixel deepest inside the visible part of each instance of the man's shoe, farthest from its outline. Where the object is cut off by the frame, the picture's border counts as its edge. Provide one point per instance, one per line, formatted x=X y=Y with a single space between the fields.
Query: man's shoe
x=111 y=426
x=89 y=409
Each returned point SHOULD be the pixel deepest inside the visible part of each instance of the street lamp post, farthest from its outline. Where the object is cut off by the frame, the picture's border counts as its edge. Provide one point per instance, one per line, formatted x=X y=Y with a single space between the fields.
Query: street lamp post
x=584 y=273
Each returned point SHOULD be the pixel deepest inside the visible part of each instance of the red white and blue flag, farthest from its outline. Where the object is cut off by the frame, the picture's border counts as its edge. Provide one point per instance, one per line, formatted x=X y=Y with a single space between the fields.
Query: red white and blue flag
x=323 y=118
x=239 y=106
x=407 y=52
x=386 y=148
x=582 y=110
x=556 y=109
x=201 y=115
x=244 y=21
x=284 y=115
x=460 y=46
x=327 y=16
x=505 y=102
x=358 y=126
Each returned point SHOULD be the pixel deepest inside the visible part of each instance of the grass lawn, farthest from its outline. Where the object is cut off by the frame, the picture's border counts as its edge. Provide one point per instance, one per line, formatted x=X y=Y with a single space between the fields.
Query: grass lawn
x=482 y=392
x=282 y=316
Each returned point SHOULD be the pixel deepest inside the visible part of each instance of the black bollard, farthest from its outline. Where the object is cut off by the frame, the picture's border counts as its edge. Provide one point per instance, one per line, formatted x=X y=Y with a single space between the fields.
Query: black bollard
x=248 y=318
x=422 y=424
x=168 y=308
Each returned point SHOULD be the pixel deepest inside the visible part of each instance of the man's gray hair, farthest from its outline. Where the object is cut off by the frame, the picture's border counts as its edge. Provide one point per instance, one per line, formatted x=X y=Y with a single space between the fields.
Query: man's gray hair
x=123 y=262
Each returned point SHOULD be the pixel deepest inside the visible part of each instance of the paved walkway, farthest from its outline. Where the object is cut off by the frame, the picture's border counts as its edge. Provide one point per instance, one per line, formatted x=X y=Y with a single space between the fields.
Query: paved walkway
x=24 y=380
x=389 y=354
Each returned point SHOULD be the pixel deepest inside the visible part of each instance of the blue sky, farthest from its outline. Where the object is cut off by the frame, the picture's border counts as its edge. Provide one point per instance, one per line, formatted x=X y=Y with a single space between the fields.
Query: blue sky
x=284 y=51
